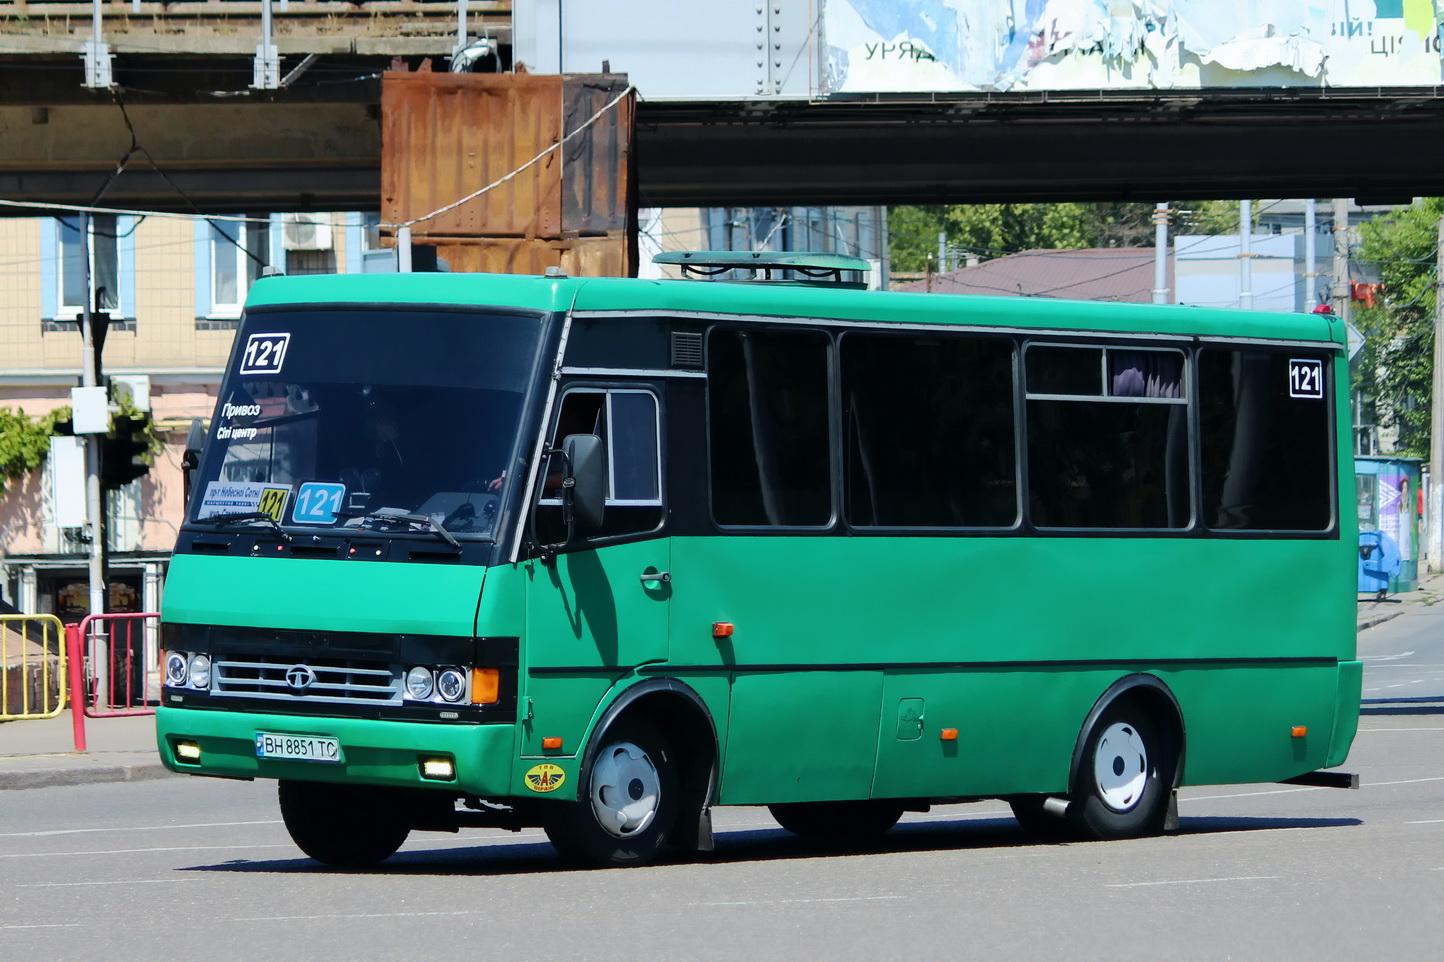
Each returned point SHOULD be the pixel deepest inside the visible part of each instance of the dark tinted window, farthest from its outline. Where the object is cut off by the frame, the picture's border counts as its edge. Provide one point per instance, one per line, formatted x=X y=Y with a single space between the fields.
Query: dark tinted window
x=928 y=431
x=1065 y=370
x=768 y=427
x=1266 y=441
x=1114 y=462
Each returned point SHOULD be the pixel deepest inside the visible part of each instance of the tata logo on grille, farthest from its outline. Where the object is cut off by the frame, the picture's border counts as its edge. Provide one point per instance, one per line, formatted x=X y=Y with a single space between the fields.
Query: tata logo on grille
x=299 y=677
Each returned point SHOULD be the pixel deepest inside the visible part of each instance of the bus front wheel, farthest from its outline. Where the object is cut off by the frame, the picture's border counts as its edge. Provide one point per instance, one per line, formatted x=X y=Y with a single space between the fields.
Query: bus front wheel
x=342 y=825
x=1125 y=777
x=629 y=804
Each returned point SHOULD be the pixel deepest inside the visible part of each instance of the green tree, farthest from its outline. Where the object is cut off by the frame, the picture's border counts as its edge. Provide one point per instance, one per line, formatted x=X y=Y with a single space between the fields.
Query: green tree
x=25 y=441
x=1396 y=367
x=993 y=230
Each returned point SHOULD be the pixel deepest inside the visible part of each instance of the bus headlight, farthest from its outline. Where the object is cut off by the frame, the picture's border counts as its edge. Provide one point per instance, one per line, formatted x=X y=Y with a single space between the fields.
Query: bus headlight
x=200 y=672
x=175 y=669
x=451 y=684
x=419 y=684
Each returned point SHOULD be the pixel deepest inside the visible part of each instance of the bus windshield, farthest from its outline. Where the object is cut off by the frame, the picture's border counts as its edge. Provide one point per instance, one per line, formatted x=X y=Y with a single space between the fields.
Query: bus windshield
x=384 y=420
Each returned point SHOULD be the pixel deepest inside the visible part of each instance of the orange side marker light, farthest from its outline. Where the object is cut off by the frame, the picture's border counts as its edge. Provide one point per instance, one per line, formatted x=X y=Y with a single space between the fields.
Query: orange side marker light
x=1300 y=731
x=950 y=734
x=552 y=742
x=722 y=629
x=485 y=686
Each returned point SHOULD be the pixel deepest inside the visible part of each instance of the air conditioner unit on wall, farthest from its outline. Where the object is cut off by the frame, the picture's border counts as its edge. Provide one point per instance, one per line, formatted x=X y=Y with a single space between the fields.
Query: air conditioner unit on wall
x=306 y=232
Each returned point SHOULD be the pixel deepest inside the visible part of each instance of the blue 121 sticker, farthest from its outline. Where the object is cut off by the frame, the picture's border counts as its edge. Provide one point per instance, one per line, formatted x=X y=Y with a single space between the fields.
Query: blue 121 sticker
x=318 y=502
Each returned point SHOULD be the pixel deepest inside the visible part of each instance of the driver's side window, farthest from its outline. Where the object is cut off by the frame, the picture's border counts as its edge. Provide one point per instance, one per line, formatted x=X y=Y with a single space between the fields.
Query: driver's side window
x=627 y=420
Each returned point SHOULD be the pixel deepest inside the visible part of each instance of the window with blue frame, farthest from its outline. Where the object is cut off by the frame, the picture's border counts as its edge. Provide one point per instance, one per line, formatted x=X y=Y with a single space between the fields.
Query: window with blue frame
x=230 y=255
x=111 y=250
x=365 y=253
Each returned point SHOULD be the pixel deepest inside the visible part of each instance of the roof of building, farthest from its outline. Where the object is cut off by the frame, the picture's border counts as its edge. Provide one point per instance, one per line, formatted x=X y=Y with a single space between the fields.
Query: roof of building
x=1120 y=274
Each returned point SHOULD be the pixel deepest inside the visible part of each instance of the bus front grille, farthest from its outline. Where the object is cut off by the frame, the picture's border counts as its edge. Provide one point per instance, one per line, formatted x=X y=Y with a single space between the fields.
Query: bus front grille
x=333 y=681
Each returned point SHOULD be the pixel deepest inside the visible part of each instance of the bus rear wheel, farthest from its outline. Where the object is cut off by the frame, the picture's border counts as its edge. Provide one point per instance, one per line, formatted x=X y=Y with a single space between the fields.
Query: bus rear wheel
x=1125 y=778
x=629 y=804
x=343 y=825
x=837 y=821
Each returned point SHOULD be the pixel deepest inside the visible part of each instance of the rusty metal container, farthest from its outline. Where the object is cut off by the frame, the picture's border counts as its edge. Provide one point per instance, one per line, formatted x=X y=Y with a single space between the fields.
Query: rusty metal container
x=446 y=136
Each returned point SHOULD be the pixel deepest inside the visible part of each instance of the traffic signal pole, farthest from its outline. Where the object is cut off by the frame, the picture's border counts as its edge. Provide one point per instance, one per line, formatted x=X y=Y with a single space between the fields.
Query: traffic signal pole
x=90 y=377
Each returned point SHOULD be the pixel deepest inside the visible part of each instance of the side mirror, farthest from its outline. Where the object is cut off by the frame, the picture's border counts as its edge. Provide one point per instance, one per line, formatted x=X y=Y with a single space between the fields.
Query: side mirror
x=584 y=489
x=191 y=458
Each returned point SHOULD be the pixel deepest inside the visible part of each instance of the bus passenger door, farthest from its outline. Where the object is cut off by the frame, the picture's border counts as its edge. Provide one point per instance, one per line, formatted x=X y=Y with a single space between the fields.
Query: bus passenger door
x=600 y=608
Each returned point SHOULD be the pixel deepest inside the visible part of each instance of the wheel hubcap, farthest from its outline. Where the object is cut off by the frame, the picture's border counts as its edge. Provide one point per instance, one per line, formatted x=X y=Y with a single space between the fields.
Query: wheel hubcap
x=625 y=790
x=1120 y=766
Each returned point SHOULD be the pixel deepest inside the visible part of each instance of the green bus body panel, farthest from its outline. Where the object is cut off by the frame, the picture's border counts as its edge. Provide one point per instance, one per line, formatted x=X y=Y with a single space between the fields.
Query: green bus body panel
x=952 y=622
x=374 y=752
x=591 y=614
x=1346 y=717
x=302 y=593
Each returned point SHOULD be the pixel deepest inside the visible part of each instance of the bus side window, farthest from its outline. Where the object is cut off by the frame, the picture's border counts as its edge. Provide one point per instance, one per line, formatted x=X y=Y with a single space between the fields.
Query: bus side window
x=768 y=405
x=627 y=422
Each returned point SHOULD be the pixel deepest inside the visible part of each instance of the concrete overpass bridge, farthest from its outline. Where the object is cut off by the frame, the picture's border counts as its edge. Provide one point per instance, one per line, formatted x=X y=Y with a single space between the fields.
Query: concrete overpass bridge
x=184 y=114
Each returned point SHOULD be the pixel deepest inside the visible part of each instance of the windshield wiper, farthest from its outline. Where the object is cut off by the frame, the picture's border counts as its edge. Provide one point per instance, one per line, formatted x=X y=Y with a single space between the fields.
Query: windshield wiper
x=237 y=516
x=397 y=514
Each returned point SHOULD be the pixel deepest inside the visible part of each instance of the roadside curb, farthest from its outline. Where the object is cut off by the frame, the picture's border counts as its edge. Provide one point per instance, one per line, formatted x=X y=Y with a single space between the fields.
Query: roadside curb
x=1374 y=620
x=81 y=775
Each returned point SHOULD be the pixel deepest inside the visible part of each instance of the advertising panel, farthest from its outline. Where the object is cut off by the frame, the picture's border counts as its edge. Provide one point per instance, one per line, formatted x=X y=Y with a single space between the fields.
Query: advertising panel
x=914 y=46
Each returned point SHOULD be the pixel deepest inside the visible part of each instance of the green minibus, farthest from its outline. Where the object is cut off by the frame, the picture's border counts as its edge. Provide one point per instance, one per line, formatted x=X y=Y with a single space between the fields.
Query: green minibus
x=600 y=554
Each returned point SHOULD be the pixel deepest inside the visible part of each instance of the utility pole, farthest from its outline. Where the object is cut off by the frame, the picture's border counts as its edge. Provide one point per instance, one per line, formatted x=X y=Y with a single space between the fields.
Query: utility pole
x=1311 y=273
x=1160 y=253
x=89 y=404
x=1436 y=420
x=1245 y=254
x=1341 y=258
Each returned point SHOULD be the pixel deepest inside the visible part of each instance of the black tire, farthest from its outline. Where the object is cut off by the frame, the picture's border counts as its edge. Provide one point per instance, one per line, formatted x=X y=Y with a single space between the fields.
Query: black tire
x=343 y=825
x=628 y=803
x=1125 y=776
x=838 y=821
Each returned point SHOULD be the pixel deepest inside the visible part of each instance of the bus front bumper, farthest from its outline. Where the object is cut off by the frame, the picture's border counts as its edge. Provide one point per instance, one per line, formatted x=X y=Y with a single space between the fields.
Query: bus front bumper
x=224 y=744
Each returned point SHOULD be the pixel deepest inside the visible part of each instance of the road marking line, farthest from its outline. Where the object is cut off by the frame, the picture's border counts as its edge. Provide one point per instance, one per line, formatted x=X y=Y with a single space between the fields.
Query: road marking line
x=1194 y=881
x=133 y=851
x=1362 y=730
x=136 y=828
x=133 y=881
x=857 y=898
x=1308 y=788
x=1404 y=654
x=1408 y=781
x=1427 y=821
x=45 y=925
x=359 y=915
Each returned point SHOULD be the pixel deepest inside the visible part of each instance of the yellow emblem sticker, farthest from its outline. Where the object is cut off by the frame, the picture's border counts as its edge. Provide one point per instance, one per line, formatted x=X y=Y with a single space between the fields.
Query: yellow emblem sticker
x=545 y=777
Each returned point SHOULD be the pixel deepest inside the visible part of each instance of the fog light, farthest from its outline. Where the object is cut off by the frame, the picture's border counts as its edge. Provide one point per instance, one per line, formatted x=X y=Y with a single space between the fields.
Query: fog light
x=175 y=669
x=200 y=672
x=418 y=683
x=451 y=684
x=440 y=769
x=189 y=751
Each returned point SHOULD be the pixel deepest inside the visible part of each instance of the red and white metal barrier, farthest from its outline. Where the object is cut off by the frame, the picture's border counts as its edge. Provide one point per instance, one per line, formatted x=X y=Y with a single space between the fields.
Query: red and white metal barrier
x=114 y=663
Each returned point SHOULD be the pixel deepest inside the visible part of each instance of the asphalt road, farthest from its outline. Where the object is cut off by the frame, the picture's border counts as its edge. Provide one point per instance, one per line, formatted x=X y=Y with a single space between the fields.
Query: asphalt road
x=201 y=869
